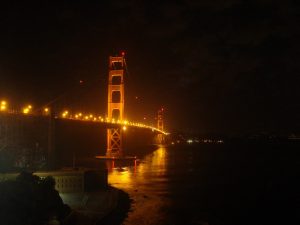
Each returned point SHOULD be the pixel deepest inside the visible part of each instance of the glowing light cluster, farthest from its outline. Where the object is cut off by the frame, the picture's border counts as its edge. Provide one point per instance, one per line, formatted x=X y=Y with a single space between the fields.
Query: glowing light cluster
x=27 y=109
x=3 y=105
x=65 y=114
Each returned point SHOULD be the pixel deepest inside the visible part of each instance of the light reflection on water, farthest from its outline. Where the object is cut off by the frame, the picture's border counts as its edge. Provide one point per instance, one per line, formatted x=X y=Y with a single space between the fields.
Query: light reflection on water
x=145 y=182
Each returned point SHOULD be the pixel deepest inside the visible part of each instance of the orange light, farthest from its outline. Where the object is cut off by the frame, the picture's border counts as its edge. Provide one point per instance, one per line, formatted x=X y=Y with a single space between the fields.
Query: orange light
x=25 y=110
x=3 y=106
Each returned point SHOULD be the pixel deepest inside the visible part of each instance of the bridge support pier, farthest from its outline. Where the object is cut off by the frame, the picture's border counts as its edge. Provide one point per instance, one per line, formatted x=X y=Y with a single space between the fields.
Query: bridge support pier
x=114 y=143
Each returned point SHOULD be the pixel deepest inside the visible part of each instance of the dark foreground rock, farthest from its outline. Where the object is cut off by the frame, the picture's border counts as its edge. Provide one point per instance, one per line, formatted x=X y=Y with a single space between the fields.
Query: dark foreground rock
x=108 y=206
x=30 y=200
x=120 y=213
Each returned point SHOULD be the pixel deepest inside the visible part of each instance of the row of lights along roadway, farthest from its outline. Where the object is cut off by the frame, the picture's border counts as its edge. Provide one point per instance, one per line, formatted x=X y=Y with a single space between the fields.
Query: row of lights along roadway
x=80 y=116
x=25 y=110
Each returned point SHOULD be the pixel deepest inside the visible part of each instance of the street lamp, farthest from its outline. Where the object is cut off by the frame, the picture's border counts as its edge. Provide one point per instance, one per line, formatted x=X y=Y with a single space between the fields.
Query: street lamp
x=27 y=109
x=3 y=105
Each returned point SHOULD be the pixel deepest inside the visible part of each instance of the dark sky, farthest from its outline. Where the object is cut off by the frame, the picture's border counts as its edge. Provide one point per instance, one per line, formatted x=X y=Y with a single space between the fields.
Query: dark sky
x=216 y=66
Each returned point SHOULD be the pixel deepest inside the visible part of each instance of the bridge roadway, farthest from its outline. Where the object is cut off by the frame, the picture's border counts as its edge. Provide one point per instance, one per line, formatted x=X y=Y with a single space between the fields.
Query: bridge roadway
x=35 y=139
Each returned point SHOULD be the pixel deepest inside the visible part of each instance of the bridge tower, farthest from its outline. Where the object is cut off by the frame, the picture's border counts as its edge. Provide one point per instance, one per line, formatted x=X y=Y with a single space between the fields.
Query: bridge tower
x=160 y=125
x=160 y=122
x=115 y=109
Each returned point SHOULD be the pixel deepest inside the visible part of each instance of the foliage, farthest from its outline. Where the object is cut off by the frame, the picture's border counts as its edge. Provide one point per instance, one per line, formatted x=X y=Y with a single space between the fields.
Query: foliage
x=30 y=200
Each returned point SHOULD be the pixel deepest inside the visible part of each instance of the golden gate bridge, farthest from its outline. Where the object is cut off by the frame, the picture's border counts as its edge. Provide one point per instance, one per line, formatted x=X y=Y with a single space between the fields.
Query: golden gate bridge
x=115 y=119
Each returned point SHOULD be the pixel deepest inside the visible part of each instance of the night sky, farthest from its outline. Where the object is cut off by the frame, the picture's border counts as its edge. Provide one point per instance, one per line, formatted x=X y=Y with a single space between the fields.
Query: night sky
x=216 y=66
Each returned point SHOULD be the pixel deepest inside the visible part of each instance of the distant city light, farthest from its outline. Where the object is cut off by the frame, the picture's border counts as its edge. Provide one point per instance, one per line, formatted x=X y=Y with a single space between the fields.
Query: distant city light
x=190 y=141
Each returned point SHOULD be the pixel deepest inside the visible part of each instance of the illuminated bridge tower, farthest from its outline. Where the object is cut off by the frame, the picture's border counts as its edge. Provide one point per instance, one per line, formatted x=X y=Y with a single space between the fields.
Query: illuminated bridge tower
x=115 y=110
x=160 y=126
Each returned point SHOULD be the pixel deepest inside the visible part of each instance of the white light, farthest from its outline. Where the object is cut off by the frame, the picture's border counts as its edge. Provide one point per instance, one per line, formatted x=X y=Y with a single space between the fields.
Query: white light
x=190 y=141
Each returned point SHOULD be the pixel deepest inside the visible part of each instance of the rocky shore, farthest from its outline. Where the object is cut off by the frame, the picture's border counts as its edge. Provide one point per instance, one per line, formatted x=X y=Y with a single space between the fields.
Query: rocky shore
x=109 y=206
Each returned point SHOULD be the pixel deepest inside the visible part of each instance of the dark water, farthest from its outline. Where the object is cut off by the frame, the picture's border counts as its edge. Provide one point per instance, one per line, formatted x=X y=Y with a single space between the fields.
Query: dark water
x=212 y=184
